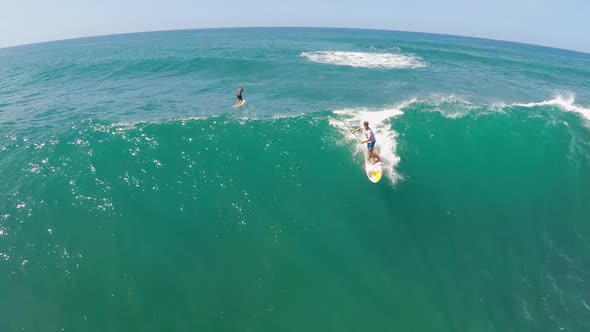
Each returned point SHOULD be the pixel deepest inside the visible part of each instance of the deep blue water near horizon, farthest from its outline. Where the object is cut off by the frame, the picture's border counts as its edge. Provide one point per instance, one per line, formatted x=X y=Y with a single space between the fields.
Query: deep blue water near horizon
x=134 y=197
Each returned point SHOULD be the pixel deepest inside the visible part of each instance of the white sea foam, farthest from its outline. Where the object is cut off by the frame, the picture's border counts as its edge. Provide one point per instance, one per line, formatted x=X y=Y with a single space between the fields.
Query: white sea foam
x=454 y=107
x=366 y=60
x=378 y=121
x=451 y=106
x=391 y=49
x=565 y=103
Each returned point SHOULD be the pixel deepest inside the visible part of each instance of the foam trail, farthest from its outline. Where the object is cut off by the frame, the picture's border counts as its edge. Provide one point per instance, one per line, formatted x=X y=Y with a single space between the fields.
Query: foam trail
x=385 y=135
x=565 y=103
x=365 y=60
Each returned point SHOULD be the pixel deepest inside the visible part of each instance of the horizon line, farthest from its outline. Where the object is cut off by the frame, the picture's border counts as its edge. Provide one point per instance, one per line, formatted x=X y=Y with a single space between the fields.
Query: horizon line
x=289 y=27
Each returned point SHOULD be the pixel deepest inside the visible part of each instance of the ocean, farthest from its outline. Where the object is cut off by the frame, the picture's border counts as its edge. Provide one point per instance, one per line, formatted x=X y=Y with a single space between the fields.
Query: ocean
x=133 y=197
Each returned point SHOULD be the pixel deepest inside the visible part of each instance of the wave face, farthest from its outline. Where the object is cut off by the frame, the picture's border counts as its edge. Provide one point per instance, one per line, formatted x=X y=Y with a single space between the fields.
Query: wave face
x=133 y=196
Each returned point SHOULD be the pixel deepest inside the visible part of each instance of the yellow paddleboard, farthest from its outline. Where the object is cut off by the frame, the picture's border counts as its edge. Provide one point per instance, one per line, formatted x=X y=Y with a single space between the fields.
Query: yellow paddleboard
x=374 y=168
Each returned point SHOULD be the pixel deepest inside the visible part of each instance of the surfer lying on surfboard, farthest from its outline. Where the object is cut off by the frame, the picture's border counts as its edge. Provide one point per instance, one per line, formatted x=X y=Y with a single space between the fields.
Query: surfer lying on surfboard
x=370 y=140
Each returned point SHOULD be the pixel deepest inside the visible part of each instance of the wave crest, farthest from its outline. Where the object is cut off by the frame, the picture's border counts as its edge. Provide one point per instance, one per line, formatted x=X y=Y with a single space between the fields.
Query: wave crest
x=566 y=103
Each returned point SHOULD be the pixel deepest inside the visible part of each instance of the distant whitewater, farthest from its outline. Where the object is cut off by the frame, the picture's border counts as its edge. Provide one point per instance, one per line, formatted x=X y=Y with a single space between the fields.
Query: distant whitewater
x=366 y=60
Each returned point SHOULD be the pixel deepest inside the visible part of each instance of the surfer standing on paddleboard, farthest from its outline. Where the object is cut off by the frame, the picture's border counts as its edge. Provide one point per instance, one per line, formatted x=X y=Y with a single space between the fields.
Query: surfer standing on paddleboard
x=239 y=95
x=370 y=139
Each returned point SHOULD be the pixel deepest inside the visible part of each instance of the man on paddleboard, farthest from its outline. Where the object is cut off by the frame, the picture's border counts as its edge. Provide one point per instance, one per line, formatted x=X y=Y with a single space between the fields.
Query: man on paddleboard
x=239 y=94
x=370 y=139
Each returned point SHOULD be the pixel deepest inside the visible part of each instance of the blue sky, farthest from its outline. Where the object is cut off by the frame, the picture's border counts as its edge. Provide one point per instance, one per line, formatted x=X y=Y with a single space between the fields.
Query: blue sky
x=557 y=23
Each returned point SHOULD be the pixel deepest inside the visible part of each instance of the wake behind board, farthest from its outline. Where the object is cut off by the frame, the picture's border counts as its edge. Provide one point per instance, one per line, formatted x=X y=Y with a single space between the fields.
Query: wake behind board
x=240 y=104
x=374 y=169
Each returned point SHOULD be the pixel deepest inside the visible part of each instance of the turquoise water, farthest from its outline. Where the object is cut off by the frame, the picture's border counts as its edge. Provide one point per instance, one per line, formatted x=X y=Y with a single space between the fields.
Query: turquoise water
x=134 y=198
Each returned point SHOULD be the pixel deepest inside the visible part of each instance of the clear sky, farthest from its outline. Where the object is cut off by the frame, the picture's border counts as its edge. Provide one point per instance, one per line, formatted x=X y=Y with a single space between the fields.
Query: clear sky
x=557 y=23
